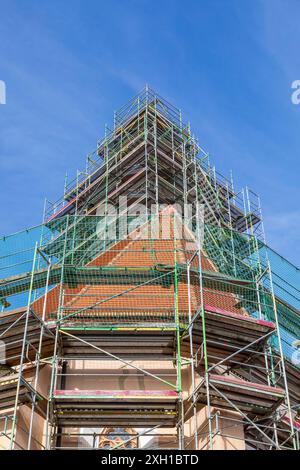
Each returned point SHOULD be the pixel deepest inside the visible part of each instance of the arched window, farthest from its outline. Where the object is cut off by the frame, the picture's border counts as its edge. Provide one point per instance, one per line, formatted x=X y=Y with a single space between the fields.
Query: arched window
x=112 y=437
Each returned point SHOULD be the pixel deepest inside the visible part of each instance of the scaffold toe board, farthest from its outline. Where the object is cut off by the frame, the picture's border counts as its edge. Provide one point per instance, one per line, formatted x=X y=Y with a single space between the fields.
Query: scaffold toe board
x=248 y=397
x=8 y=391
x=17 y=324
x=285 y=434
x=229 y=334
x=114 y=407
x=130 y=342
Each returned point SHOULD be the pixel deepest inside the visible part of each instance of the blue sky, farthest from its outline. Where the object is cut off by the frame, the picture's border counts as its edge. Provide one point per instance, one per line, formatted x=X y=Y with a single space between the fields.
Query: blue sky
x=228 y=64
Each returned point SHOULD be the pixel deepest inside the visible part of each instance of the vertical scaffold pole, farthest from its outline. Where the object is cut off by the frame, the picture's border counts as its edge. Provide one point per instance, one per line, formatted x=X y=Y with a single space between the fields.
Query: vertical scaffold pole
x=202 y=314
x=38 y=355
x=14 y=419
x=231 y=231
x=287 y=396
x=106 y=157
x=192 y=357
x=146 y=131
x=268 y=357
x=178 y=349
x=199 y=241
x=54 y=364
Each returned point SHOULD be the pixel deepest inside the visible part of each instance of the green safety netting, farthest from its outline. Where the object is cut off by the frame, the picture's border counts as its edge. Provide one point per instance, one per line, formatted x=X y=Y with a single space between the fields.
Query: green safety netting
x=63 y=251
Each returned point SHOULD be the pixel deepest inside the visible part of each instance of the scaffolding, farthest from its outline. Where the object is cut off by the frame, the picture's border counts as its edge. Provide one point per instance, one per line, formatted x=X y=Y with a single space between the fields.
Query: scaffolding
x=159 y=326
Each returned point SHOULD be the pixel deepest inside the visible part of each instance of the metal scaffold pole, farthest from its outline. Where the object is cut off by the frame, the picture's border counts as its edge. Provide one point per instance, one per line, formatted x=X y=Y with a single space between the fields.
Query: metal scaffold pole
x=278 y=332
x=192 y=356
x=200 y=230
x=23 y=351
x=178 y=350
x=39 y=350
